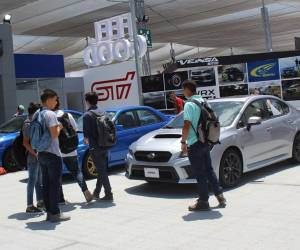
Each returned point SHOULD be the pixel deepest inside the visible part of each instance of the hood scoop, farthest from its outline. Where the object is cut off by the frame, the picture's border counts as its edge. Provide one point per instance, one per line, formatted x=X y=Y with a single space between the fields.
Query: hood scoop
x=167 y=136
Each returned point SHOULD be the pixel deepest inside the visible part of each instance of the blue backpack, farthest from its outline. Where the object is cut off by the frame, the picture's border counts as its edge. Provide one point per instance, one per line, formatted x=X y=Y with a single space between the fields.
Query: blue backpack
x=40 y=138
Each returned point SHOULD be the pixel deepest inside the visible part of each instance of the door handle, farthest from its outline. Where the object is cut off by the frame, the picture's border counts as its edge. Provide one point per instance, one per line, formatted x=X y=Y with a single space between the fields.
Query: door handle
x=269 y=129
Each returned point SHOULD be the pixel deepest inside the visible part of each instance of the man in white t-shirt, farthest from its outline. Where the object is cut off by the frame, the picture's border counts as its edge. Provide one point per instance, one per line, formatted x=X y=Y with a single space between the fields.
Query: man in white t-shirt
x=71 y=161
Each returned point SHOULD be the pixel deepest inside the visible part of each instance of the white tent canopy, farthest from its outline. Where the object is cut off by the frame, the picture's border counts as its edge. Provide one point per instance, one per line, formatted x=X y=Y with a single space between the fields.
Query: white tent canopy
x=196 y=27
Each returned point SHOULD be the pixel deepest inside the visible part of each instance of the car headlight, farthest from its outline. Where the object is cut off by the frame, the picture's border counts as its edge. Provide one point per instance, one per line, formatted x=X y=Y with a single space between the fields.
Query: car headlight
x=130 y=152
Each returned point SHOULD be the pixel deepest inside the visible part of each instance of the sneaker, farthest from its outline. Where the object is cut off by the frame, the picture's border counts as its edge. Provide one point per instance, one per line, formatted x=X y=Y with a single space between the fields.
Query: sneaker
x=40 y=205
x=96 y=195
x=33 y=209
x=108 y=197
x=58 y=218
x=64 y=202
x=222 y=201
x=88 y=196
x=200 y=206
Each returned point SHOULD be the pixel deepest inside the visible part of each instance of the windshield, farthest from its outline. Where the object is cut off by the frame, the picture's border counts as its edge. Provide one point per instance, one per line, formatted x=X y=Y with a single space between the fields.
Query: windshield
x=110 y=114
x=225 y=110
x=13 y=125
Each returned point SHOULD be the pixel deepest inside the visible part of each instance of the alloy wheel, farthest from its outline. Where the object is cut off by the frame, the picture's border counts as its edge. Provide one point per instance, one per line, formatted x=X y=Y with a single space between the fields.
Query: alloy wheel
x=231 y=169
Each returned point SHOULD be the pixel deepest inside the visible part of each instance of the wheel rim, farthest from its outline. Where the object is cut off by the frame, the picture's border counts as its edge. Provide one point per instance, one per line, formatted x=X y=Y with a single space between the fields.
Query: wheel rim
x=10 y=164
x=91 y=168
x=232 y=169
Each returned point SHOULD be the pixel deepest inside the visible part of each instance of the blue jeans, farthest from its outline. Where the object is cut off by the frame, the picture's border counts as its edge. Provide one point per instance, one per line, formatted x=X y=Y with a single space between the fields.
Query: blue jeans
x=51 y=171
x=34 y=181
x=99 y=157
x=199 y=156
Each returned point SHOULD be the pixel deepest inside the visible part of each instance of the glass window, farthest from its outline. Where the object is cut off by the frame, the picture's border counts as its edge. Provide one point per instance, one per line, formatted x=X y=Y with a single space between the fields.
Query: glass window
x=147 y=117
x=256 y=108
x=127 y=120
x=226 y=111
x=13 y=125
x=276 y=107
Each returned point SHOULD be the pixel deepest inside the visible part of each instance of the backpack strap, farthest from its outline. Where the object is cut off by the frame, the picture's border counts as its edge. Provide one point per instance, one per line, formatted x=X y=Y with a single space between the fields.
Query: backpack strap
x=199 y=104
x=95 y=114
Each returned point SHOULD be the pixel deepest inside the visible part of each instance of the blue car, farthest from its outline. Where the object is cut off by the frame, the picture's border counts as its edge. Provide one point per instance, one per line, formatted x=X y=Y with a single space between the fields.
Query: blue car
x=131 y=123
x=8 y=132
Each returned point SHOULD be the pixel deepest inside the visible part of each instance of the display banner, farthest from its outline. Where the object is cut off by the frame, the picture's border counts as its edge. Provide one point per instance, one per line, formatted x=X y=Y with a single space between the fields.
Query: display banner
x=263 y=70
x=116 y=84
x=209 y=92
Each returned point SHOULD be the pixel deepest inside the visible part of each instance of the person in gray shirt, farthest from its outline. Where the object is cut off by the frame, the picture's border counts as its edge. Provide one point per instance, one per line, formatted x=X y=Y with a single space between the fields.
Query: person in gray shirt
x=50 y=160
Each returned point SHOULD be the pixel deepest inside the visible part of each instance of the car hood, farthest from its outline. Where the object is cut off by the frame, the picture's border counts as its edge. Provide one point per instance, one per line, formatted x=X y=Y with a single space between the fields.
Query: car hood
x=4 y=137
x=163 y=140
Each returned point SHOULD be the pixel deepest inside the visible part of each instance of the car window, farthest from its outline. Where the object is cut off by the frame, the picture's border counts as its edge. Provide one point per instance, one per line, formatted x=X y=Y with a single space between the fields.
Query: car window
x=256 y=108
x=276 y=108
x=127 y=120
x=146 y=117
x=13 y=125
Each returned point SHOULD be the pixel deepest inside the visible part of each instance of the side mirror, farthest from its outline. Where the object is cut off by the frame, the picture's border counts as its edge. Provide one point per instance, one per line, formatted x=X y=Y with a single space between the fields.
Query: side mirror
x=253 y=121
x=119 y=127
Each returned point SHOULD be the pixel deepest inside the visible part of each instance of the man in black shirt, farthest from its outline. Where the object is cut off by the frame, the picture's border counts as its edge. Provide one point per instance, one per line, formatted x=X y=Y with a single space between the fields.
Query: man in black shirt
x=99 y=155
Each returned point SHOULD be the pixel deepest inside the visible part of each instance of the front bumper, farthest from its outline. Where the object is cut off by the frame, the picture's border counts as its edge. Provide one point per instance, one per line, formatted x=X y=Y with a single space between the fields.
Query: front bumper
x=177 y=171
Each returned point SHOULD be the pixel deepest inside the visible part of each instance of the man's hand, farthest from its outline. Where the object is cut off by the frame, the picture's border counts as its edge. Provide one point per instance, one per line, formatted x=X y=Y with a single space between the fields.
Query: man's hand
x=184 y=149
x=86 y=141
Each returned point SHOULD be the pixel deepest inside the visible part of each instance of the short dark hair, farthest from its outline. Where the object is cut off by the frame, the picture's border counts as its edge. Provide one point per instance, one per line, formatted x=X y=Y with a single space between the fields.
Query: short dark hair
x=91 y=98
x=47 y=93
x=191 y=85
x=33 y=107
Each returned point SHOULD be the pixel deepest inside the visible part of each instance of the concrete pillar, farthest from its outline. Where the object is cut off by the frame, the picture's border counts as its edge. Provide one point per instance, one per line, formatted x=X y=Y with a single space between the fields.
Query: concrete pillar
x=8 y=98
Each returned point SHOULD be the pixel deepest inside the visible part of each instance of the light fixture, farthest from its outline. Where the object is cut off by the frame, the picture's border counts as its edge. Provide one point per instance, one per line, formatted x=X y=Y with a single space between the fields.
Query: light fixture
x=7 y=19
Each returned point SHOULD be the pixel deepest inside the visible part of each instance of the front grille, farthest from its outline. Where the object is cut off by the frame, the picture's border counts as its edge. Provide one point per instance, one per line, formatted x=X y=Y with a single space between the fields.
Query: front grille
x=165 y=173
x=152 y=156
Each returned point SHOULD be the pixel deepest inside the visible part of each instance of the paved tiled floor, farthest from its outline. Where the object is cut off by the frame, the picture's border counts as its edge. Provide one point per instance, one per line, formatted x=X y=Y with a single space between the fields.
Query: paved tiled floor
x=263 y=213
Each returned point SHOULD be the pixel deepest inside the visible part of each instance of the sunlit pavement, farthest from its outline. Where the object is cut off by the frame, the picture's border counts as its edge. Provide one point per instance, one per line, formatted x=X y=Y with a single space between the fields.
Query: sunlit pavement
x=263 y=213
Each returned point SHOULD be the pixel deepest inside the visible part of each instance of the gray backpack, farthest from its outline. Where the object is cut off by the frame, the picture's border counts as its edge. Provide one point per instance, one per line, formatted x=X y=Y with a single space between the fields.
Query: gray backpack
x=208 y=128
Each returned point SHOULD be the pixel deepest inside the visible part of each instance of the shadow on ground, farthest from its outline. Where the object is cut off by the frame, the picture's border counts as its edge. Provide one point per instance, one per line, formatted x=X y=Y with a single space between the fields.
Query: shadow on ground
x=207 y=215
x=183 y=191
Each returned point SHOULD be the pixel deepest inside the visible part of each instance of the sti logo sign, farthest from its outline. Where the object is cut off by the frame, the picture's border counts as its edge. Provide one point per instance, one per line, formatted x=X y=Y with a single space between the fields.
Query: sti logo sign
x=115 y=89
x=113 y=42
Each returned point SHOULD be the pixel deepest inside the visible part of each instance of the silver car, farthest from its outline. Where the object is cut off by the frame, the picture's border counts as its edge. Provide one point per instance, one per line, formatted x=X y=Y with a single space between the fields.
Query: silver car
x=256 y=131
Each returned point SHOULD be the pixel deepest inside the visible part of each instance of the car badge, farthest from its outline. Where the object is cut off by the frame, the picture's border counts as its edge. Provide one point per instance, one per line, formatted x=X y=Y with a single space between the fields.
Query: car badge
x=151 y=156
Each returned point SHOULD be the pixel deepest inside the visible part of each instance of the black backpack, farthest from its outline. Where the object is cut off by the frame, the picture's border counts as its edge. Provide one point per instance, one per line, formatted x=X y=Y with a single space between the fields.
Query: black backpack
x=68 y=138
x=208 y=129
x=19 y=152
x=106 y=130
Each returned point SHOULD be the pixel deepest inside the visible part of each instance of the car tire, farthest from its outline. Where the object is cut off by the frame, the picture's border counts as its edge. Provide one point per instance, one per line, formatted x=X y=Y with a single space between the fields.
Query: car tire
x=296 y=149
x=231 y=168
x=89 y=168
x=9 y=163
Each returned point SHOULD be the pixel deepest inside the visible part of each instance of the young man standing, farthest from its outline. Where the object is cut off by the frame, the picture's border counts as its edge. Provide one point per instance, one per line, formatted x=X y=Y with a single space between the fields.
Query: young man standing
x=71 y=160
x=99 y=155
x=34 y=170
x=198 y=152
x=177 y=102
x=50 y=159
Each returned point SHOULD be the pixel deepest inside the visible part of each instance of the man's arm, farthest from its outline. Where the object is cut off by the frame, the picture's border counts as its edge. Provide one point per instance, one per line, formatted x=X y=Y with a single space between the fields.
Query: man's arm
x=185 y=133
x=26 y=144
x=55 y=130
x=53 y=124
x=87 y=128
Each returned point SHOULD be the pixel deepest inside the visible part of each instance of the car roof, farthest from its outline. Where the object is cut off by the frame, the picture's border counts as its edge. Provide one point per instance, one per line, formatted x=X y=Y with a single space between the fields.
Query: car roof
x=243 y=98
x=126 y=108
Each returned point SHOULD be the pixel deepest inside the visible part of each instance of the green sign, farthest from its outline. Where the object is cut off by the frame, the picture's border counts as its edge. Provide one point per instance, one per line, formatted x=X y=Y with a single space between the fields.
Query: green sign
x=147 y=34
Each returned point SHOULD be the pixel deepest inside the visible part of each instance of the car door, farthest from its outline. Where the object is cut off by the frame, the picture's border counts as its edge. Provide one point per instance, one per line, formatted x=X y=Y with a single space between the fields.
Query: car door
x=255 y=141
x=283 y=130
x=126 y=136
x=148 y=121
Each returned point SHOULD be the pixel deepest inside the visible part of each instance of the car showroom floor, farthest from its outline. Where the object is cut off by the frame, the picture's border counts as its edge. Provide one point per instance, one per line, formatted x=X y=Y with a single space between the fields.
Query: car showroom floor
x=263 y=213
